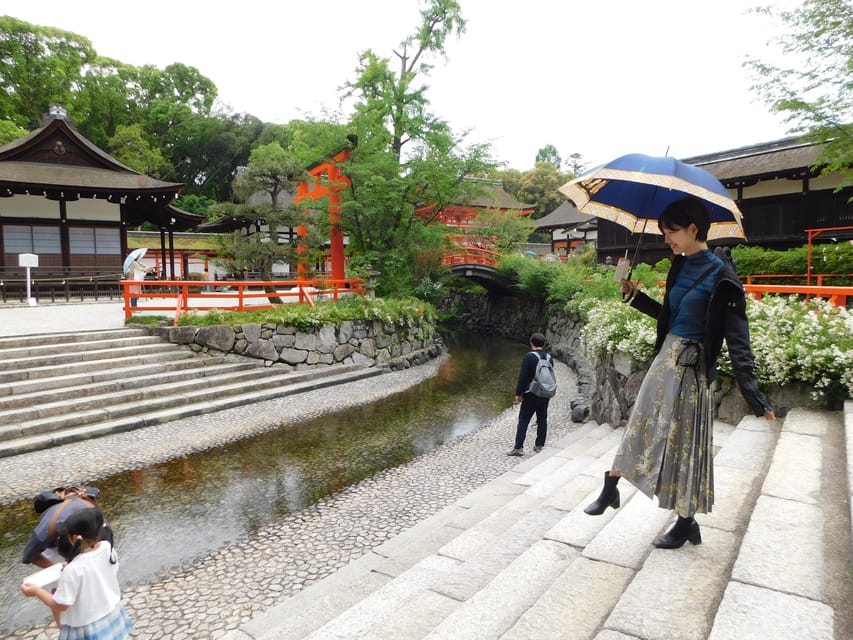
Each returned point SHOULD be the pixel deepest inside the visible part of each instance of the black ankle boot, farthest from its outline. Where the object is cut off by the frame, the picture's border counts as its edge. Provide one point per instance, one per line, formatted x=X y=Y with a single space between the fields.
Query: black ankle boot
x=609 y=497
x=683 y=530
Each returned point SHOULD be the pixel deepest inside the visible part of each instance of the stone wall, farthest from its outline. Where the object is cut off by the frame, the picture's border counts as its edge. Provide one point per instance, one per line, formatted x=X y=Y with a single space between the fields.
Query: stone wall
x=367 y=343
x=607 y=385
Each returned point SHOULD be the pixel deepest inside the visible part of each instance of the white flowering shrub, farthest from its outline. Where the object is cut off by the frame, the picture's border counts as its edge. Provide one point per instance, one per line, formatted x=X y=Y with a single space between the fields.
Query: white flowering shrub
x=798 y=341
x=793 y=341
x=612 y=327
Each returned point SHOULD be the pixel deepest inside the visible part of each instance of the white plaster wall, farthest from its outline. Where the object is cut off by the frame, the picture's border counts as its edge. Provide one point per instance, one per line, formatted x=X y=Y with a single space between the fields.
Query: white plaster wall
x=29 y=207
x=95 y=210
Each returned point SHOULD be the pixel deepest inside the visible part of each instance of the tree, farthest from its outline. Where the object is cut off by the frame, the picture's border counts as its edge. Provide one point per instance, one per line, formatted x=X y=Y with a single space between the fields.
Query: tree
x=406 y=158
x=273 y=172
x=39 y=66
x=10 y=131
x=815 y=95
x=548 y=153
x=129 y=147
x=537 y=187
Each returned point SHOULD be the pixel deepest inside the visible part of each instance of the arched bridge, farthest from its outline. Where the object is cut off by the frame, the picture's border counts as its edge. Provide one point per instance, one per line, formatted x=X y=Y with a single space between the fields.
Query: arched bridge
x=477 y=264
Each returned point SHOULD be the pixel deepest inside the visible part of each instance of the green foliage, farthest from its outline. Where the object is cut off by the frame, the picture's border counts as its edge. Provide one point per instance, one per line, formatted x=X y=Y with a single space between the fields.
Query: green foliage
x=10 y=131
x=530 y=277
x=827 y=258
x=39 y=66
x=815 y=94
x=506 y=231
x=196 y=204
x=398 y=312
x=549 y=154
x=537 y=187
x=406 y=157
x=130 y=147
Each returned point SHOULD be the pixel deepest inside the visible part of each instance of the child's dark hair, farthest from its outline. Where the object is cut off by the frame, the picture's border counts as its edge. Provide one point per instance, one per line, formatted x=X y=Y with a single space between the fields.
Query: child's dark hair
x=682 y=213
x=90 y=526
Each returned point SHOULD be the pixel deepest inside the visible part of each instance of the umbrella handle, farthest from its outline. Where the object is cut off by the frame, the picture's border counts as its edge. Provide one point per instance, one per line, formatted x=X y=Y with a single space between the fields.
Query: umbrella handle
x=626 y=297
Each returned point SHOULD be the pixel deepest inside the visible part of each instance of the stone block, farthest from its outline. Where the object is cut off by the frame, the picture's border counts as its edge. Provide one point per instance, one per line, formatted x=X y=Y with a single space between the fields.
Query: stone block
x=783 y=548
x=795 y=471
x=219 y=337
x=746 y=449
x=735 y=491
x=808 y=421
x=748 y=612
x=675 y=594
x=577 y=528
x=293 y=356
x=575 y=605
x=263 y=349
x=494 y=609
x=181 y=335
x=627 y=539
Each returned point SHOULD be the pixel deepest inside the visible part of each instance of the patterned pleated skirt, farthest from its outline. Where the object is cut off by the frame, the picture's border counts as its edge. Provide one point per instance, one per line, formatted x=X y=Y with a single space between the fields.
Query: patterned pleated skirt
x=667 y=447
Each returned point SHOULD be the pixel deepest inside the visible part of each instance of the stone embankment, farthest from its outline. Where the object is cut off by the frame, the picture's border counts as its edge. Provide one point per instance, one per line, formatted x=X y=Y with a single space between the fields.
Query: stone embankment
x=361 y=342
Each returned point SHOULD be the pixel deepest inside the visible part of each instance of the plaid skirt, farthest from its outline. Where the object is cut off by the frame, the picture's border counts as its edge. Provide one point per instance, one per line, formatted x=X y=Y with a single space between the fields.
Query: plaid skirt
x=113 y=626
x=667 y=447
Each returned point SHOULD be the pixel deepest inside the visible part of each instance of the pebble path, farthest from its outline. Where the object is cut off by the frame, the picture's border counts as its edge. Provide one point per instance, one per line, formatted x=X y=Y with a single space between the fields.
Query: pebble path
x=207 y=598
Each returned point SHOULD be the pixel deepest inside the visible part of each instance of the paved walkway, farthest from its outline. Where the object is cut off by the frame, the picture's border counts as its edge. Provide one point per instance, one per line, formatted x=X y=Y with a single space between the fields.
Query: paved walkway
x=18 y=320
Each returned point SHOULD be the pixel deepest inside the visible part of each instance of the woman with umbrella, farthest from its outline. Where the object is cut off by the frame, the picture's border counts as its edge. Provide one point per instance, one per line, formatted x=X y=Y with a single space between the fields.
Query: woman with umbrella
x=667 y=447
x=136 y=269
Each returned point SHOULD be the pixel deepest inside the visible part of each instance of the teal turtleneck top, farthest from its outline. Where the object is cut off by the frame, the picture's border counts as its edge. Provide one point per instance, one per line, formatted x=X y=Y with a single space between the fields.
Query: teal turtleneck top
x=688 y=311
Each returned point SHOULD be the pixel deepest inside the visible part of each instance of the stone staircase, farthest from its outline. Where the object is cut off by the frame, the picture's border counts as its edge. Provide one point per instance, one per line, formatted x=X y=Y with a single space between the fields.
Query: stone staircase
x=519 y=560
x=60 y=388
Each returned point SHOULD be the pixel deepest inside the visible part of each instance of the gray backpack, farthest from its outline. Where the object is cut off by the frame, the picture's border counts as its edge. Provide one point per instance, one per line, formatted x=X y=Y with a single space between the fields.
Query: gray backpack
x=544 y=382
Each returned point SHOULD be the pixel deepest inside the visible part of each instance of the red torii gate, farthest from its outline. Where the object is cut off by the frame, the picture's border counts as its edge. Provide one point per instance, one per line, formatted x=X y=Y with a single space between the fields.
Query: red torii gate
x=326 y=182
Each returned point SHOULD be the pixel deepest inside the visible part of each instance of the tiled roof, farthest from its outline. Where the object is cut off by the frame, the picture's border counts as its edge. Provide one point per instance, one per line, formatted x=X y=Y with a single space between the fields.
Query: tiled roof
x=566 y=216
x=788 y=157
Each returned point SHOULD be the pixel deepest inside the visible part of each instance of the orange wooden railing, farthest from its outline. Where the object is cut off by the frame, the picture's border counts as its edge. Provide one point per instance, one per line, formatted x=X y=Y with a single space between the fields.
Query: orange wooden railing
x=182 y=296
x=836 y=295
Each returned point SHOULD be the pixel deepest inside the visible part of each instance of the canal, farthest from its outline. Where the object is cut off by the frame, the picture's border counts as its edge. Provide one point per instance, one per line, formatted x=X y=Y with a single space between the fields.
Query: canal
x=208 y=500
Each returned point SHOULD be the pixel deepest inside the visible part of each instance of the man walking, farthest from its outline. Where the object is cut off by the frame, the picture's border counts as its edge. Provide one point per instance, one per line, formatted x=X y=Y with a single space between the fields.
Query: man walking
x=536 y=385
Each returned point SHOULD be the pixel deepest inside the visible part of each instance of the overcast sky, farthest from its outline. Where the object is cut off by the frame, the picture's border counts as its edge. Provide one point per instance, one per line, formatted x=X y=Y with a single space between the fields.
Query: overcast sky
x=598 y=78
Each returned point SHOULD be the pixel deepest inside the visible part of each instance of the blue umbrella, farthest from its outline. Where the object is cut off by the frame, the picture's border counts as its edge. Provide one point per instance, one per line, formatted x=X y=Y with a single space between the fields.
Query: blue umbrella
x=634 y=189
x=136 y=254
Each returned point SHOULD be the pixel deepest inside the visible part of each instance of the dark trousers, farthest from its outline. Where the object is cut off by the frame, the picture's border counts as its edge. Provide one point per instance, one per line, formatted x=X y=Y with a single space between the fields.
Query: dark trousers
x=530 y=405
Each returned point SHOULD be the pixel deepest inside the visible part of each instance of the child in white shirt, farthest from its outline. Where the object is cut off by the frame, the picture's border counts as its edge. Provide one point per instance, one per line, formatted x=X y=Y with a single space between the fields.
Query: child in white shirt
x=87 y=600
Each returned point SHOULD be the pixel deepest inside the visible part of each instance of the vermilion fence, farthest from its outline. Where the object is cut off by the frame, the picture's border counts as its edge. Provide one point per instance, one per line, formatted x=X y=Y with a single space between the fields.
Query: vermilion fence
x=182 y=296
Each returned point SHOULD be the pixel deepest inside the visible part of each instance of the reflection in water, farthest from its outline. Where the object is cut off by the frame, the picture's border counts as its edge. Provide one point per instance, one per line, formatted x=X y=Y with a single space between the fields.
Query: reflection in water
x=170 y=513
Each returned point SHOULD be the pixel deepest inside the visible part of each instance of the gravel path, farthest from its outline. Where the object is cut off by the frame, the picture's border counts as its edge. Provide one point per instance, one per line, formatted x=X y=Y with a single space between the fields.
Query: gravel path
x=218 y=593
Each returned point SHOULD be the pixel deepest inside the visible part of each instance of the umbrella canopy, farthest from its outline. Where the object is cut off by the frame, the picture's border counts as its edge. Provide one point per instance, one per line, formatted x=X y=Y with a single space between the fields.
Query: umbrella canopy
x=136 y=254
x=634 y=189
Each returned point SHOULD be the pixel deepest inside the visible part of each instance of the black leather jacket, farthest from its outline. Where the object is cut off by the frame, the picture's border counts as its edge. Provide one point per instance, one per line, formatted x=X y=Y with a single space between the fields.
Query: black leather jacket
x=725 y=318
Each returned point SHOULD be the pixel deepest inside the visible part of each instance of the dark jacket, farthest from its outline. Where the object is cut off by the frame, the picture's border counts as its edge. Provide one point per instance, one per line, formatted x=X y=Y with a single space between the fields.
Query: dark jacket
x=725 y=318
x=528 y=370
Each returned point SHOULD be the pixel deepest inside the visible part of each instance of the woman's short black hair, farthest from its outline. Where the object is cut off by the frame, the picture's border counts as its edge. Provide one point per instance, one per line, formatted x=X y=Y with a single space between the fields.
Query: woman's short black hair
x=682 y=213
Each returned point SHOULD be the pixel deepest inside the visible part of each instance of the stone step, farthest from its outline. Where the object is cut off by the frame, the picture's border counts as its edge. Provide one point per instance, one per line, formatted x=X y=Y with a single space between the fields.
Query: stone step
x=132 y=395
x=531 y=564
x=150 y=400
x=42 y=352
x=45 y=361
x=93 y=366
x=105 y=421
x=778 y=585
x=26 y=392
x=67 y=338
x=478 y=550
